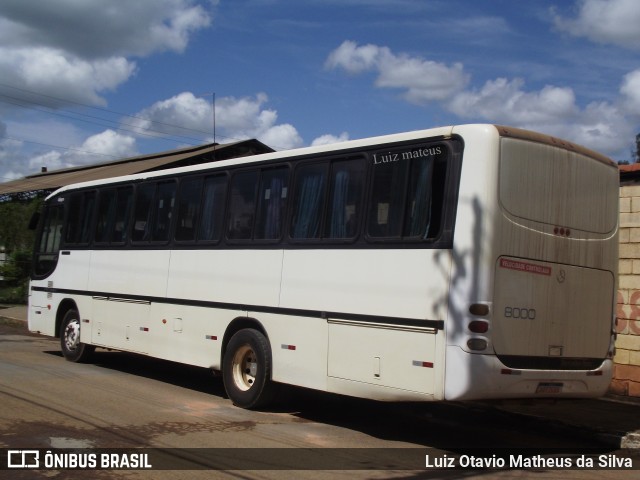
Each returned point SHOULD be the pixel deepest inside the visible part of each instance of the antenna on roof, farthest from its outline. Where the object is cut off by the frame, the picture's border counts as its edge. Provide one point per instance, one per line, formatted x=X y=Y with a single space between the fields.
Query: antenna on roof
x=213 y=114
x=213 y=108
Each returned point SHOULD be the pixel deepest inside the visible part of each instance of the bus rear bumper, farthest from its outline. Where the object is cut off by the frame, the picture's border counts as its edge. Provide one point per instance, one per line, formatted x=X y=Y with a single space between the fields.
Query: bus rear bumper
x=477 y=377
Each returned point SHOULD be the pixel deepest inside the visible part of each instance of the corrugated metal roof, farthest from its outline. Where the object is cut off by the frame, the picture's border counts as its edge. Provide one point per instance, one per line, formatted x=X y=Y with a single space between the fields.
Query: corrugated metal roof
x=629 y=174
x=144 y=163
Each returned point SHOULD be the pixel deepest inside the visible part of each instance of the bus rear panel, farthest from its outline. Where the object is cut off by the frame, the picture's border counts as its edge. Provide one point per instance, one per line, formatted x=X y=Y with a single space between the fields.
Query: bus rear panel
x=551 y=262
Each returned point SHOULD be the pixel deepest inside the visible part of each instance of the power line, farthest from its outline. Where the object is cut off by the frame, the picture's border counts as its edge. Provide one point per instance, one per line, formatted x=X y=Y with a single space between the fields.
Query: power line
x=137 y=130
x=62 y=148
x=72 y=102
x=103 y=122
x=45 y=107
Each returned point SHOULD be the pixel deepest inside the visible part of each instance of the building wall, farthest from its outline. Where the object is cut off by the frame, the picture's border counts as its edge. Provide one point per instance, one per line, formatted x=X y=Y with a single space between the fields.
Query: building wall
x=626 y=376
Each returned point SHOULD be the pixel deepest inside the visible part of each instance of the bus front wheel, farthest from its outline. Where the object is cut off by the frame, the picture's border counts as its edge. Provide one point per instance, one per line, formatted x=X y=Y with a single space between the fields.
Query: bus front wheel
x=246 y=369
x=72 y=348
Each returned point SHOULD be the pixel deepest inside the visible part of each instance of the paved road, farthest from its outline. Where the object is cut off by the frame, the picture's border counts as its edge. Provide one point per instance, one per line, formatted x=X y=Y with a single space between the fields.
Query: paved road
x=122 y=400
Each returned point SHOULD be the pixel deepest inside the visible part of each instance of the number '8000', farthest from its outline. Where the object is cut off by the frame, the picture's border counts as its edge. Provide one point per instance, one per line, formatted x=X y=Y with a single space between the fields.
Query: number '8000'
x=516 y=312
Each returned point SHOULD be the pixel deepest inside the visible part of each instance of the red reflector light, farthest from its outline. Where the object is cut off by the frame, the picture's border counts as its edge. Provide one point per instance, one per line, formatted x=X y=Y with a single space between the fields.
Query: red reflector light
x=288 y=347
x=508 y=371
x=478 y=326
x=418 y=363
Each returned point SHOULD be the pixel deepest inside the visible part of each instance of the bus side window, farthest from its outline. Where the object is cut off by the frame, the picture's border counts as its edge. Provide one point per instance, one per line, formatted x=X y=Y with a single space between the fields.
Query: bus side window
x=114 y=215
x=188 y=203
x=46 y=256
x=386 y=211
x=272 y=202
x=123 y=215
x=309 y=194
x=162 y=211
x=407 y=198
x=242 y=205
x=418 y=210
x=106 y=213
x=212 y=210
x=78 y=227
x=142 y=212
x=345 y=200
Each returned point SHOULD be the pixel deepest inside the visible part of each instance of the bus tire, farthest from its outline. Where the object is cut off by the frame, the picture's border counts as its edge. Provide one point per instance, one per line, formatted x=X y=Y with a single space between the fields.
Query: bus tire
x=72 y=349
x=246 y=369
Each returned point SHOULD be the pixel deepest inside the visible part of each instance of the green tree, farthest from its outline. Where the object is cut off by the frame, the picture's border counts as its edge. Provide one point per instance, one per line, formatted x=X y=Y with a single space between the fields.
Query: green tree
x=17 y=241
x=14 y=225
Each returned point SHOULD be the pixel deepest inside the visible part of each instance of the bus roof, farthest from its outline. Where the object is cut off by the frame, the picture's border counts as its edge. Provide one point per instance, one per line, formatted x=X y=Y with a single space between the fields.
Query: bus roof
x=438 y=132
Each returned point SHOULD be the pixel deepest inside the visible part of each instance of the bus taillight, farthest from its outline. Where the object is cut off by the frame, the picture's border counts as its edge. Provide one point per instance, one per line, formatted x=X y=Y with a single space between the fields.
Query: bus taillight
x=478 y=326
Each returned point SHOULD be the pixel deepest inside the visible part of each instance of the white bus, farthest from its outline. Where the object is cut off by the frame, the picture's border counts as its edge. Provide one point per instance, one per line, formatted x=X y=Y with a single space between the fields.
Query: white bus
x=464 y=262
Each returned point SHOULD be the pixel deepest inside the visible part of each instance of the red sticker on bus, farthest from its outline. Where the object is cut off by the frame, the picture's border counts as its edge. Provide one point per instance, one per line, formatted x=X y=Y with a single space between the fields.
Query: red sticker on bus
x=525 y=267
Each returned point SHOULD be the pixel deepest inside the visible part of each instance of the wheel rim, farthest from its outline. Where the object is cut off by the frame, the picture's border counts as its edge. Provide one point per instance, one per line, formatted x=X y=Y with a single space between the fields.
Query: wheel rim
x=72 y=335
x=244 y=367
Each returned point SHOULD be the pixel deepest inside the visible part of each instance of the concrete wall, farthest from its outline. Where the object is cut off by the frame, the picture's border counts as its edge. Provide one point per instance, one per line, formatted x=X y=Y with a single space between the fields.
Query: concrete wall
x=626 y=376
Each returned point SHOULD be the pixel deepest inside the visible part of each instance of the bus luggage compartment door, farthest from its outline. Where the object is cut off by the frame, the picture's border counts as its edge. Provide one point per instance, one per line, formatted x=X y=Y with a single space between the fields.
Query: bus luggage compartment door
x=388 y=356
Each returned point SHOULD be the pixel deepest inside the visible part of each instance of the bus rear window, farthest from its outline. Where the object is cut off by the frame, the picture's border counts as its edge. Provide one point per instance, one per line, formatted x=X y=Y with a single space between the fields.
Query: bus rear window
x=554 y=186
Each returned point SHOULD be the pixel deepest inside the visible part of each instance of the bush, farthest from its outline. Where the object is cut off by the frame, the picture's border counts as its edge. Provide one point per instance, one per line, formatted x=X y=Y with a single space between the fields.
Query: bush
x=15 y=286
x=16 y=294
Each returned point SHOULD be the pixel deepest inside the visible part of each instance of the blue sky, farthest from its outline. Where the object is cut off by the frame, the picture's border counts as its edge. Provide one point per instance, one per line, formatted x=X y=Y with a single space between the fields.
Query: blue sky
x=93 y=81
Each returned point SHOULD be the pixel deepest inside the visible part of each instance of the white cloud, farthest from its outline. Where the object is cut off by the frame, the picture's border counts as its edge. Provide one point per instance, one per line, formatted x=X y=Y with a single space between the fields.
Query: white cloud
x=52 y=160
x=281 y=137
x=94 y=29
x=10 y=157
x=422 y=80
x=355 y=59
x=329 y=139
x=56 y=73
x=109 y=144
x=602 y=126
x=236 y=118
x=630 y=90
x=78 y=50
x=506 y=100
x=178 y=115
x=247 y=118
x=102 y=147
x=70 y=52
x=605 y=126
x=614 y=22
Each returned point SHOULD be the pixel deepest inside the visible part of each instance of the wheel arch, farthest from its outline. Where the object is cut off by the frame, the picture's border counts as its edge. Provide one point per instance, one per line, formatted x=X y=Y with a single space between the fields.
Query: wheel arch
x=235 y=326
x=65 y=305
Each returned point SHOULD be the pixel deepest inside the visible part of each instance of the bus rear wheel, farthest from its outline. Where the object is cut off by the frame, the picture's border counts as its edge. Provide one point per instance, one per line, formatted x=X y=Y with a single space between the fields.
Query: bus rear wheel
x=246 y=369
x=72 y=348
